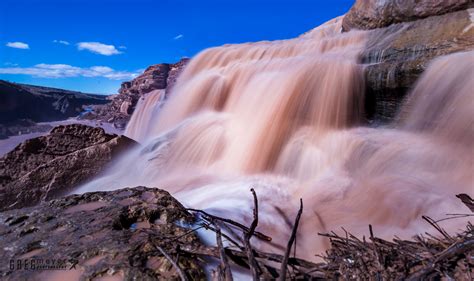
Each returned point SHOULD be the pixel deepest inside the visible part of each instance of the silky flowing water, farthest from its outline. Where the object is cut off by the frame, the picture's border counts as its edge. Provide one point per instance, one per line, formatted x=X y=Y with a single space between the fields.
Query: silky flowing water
x=286 y=118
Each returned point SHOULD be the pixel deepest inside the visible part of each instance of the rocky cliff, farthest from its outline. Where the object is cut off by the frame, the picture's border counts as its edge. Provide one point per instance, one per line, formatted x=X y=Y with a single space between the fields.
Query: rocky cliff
x=156 y=77
x=46 y=167
x=369 y=14
x=408 y=35
x=21 y=106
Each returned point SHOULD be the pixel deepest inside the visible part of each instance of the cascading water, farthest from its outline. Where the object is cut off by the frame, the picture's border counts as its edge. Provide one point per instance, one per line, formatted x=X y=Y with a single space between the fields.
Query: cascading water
x=282 y=117
x=138 y=125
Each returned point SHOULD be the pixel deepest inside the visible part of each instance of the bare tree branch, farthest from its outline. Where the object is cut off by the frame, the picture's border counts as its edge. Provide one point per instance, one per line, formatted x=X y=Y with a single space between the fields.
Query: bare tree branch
x=284 y=263
x=248 y=248
x=182 y=275
x=224 y=269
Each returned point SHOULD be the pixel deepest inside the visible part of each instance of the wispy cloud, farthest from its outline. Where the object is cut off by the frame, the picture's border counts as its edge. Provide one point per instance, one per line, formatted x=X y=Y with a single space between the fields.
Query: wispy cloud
x=18 y=45
x=122 y=47
x=61 y=42
x=177 y=37
x=98 y=48
x=64 y=70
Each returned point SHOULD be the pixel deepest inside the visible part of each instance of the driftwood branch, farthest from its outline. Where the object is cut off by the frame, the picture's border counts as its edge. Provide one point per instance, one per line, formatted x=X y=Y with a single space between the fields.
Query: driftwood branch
x=467 y=200
x=181 y=274
x=247 y=235
x=425 y=257
x=284 y=263
x=224 y=268
x=234 y=223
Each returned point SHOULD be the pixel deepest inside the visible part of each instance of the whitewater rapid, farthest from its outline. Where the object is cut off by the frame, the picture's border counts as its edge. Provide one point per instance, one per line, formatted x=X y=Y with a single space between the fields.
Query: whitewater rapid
x=286 y=118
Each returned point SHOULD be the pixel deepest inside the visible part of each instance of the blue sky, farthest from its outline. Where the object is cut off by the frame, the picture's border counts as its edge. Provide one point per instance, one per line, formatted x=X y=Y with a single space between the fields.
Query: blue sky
x=94 y=45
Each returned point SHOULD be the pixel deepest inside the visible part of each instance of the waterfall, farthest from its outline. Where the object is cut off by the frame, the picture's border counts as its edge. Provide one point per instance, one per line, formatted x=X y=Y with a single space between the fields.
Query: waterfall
x=138 y=125
x=285 y=117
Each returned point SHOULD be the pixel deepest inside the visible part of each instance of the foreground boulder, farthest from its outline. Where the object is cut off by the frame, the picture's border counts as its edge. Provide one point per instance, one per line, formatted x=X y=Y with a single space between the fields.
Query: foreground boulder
x=118 y=234
x=46 y=167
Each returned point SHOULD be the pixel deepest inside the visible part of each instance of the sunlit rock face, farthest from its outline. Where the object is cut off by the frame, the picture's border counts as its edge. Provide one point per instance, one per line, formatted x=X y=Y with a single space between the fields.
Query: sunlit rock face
x=156 y=77
x=369 y=14
x=47 y=167
x=99 y=235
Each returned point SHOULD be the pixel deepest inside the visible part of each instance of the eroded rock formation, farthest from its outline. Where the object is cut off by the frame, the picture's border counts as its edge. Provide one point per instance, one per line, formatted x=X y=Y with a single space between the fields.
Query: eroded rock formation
x=156 y=77
x=410 y=34
x=46 y=167
x=369 y=14
x=398 y=54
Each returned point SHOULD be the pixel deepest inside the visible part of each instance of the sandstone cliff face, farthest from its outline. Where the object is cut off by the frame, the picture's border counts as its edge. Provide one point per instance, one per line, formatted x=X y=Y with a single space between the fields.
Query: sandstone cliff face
x=50 y=166
x=369 y=14
x=101 y=234
x=396 y=54
x=156 y=77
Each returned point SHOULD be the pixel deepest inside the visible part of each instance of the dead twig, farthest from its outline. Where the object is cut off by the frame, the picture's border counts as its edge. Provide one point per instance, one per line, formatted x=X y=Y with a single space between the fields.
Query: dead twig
x=437 y=227
x=467 y=200
x=224 y=268
x=234 y=223
x=254 y=268
x=284 y=263
x=181 y=274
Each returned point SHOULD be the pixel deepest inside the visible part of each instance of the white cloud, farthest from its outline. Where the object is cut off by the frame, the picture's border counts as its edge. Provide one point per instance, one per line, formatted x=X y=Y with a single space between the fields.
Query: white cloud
x=64 y=70
x=179 y=36
x=61 y=42
x=10 y=64
x=122 y=47
x=18 y=45
x=98 y=48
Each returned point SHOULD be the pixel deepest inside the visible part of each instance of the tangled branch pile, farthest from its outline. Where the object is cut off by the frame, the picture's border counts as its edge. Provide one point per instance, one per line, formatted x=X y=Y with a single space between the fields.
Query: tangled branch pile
x=426 y=257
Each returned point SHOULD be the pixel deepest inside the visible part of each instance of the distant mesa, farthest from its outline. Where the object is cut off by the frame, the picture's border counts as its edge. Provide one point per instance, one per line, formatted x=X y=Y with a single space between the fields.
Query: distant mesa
x=22 y=106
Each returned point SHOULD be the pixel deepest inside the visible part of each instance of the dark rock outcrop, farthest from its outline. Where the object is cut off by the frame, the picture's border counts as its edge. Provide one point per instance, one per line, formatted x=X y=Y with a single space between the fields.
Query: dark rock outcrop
x=22 y=126
x=395 y=56
x=22 y=105
x=369 y=14
x=102 y=234
x=155 y=77
x=46 y=167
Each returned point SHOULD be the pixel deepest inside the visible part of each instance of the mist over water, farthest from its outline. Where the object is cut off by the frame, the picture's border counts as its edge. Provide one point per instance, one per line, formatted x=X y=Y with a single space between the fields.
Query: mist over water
x=285 y=118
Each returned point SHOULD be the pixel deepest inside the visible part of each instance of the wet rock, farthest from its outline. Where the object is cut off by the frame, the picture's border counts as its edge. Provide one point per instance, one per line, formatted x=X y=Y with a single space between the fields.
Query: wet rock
x=370 y=14
x=98 y=235
x=46 y=167
x=395 y=56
